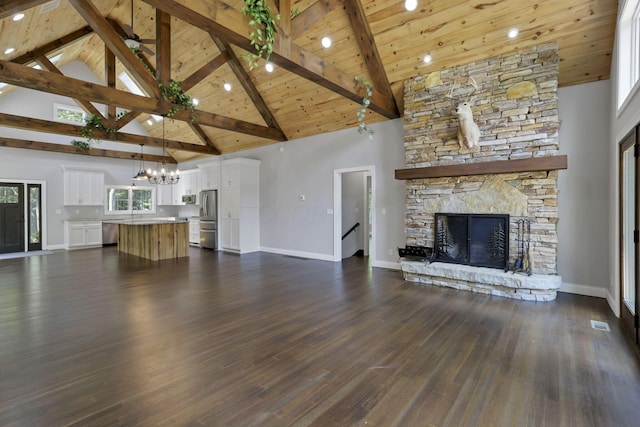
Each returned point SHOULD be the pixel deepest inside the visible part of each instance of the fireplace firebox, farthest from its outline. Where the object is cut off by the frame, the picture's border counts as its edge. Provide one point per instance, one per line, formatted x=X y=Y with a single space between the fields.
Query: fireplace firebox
x=480 y=240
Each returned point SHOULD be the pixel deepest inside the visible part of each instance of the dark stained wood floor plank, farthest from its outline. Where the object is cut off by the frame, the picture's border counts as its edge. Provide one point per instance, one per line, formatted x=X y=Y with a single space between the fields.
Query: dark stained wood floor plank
x=98 y=338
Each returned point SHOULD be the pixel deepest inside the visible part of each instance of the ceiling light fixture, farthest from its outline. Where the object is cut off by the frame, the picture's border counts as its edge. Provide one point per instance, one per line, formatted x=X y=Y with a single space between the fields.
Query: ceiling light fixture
x=513 y=33
x=269 y=67
x=142 y=175
x=9 y=51
x=150 y=122
x=410 y=5
x=427 y=58
x=326 y=42
x=227 y=87
x=195 y=101
x=162 y=176
x=18 y=16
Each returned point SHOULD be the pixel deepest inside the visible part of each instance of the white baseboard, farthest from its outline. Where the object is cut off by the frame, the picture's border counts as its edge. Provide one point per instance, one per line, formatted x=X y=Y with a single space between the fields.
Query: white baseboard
x=590 y=291
x=310 y=255
x=55 y=247
x=387 y=264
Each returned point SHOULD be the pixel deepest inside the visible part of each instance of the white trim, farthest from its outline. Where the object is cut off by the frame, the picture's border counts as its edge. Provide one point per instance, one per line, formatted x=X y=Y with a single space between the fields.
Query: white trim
x=590 y=291
x=300 y=254
x=55 y=247
x=387 y=264
x=337 y=209
x=613 y=303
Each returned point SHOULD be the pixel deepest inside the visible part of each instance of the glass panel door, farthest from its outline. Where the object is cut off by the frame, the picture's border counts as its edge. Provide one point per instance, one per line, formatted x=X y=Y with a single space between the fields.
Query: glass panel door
x=628 y=228
x=35 y=217
x=11 y=218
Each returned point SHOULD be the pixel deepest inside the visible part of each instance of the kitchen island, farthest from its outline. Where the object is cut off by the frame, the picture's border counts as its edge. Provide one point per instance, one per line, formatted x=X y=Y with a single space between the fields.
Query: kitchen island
x=154 y=239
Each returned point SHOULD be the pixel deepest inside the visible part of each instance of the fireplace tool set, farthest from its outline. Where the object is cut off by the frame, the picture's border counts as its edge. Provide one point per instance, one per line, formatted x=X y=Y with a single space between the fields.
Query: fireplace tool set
x=524 y=261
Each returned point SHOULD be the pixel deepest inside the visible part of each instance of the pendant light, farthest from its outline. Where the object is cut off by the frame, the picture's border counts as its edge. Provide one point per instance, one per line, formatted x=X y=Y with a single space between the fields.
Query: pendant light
x=142 y=174
x=163 y=176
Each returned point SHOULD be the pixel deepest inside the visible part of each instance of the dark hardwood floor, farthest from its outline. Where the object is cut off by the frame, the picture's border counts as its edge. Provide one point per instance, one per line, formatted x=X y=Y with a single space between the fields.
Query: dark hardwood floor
x=94 y=338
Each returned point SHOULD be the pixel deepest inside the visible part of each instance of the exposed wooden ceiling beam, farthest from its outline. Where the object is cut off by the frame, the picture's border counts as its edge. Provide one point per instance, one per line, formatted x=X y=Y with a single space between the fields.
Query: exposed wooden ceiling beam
x=200 y=133
x=247 y=84
x=88 y=107
x=204 y=71
x=54 y=45
x=44 y=81
x=311 y=15
x=163 y=47
x=70 y=149
x=110 y=77
x=39 y=125
x=206 y=16
x=11 y=7
x=368 y=47
x=116 y=44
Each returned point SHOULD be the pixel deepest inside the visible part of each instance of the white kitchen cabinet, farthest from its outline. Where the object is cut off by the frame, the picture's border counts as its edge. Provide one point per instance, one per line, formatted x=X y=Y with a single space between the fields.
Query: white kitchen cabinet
x=83 y=187
x=209 y=177
x=164 y=195
x=194 y=230
x=177 y=190
x=82 y=234
x=239 y=205
x=191 y=182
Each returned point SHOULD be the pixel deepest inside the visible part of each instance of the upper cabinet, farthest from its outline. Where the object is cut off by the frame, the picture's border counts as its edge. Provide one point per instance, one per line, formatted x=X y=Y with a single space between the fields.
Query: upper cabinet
x=83 y=187
x=209 y=176
x=190 y=181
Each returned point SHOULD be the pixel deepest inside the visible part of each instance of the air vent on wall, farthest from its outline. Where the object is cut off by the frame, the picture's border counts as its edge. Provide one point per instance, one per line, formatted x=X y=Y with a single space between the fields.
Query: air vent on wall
x=49 y=6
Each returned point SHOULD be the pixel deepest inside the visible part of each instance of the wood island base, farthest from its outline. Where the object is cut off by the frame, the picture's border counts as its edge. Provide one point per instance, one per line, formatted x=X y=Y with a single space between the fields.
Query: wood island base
x=154 y=240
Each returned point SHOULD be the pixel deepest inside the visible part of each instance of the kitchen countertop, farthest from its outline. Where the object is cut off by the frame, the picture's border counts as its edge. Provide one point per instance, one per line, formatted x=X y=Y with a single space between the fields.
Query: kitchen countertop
x=147 y=221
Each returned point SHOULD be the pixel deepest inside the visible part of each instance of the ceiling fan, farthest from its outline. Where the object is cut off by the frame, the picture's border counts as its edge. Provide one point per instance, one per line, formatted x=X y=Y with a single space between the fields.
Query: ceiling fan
x=133 y=40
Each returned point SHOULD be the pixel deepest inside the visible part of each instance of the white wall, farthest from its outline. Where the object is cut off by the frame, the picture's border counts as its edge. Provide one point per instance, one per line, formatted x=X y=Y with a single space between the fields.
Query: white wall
x=306 y=166
x=583 y=260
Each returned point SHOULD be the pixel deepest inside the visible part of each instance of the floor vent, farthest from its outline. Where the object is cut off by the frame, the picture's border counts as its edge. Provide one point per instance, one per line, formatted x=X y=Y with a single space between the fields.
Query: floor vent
x=49 y=6
x=601 y=326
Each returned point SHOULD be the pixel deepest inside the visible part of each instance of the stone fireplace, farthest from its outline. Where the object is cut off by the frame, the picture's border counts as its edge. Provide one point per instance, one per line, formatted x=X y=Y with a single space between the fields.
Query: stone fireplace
x=512 y=173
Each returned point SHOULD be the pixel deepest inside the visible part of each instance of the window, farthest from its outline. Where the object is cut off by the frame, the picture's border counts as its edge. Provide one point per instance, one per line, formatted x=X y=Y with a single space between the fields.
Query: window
x=65 y=113
x=628 y=50
x=130 y=200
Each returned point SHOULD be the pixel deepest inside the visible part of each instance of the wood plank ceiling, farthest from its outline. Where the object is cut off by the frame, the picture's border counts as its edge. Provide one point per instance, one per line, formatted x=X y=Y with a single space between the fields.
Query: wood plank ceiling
x=312 y=89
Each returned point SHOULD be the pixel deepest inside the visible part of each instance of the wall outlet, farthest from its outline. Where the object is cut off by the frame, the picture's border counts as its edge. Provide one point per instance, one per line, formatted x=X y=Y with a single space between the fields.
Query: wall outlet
x=329 y=211
x=384 y=211
x=391 y=252
x=58 y=211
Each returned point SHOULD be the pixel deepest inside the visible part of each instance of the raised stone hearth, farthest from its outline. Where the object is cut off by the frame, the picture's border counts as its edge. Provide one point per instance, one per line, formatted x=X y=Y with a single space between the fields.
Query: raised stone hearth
x=537 y=287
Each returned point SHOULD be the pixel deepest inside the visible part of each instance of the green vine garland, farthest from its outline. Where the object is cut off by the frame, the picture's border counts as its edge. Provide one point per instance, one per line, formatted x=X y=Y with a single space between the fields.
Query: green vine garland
x=178 y=98
x=263 y=33
x=362 y=110
x=91 y=123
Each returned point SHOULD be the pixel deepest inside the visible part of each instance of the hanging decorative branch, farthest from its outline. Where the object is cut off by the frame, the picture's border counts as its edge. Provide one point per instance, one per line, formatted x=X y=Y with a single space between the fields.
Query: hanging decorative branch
x=362 y=110
x=263 y=32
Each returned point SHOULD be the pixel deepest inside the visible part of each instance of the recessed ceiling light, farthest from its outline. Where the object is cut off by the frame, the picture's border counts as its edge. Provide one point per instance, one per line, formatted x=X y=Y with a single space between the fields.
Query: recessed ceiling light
x=427 y=58
x=18 y=16
x=195 y=101
x=227 y=87
x=513 y=33
x=150 y=122
x=326 y=42
x=9 y=51
x=410 y=5
x=269 y=67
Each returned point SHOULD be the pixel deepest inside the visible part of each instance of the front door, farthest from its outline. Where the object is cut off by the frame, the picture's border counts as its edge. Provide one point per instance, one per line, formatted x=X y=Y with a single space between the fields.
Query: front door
x=11 y=218
x=629 y=235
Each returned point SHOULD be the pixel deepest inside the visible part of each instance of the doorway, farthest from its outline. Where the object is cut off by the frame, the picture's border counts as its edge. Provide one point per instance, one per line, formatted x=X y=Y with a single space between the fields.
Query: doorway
x=21 y=217
x=629 y=226
x=365 y=194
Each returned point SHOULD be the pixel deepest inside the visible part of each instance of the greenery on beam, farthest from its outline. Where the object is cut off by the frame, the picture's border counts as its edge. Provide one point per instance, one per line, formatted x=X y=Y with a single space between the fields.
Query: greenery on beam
x=263 y=31
x=92 y=123
x=362 y=110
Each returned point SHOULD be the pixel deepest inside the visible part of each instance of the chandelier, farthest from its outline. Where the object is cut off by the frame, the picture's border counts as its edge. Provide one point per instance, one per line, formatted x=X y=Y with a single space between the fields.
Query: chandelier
x=163 y=176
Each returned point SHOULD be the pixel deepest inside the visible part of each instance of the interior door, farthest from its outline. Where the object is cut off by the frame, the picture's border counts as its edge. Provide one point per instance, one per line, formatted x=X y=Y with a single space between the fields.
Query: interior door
x=629 y=227
x=11 y=217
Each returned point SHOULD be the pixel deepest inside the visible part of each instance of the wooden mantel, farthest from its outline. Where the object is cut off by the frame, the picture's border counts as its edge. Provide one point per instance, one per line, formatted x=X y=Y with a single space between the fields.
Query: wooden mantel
x=546 y=163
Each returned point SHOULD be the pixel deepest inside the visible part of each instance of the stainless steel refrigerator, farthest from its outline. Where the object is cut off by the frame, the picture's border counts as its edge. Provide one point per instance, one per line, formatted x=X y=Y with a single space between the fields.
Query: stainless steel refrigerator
x=209 y=219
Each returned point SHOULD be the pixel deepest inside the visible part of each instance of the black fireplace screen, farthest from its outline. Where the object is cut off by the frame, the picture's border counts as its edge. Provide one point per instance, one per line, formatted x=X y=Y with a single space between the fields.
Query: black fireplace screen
x=480 y=240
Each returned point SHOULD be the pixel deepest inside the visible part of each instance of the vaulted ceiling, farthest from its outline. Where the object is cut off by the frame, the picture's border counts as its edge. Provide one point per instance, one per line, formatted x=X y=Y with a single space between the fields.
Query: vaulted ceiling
x=200 y=43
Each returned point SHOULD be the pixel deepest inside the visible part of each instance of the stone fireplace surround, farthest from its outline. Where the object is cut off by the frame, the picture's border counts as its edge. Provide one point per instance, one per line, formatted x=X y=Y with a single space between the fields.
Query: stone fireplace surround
x=513 y=172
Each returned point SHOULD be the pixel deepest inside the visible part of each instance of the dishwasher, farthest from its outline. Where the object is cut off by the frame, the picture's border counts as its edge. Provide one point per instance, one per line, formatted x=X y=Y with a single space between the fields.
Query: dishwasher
x=109 y=233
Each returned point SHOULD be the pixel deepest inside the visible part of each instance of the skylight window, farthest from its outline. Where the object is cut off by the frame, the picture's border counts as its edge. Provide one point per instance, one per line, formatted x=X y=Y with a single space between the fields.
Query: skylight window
x=133 y=87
